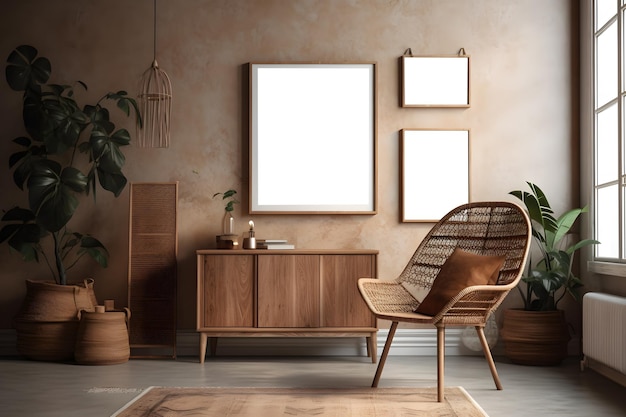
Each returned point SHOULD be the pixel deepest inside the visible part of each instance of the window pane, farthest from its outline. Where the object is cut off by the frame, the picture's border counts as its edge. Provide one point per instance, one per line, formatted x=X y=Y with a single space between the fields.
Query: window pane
x=606 y=69
x=606 y=9
x=607 y=220
x=607 y=162
x=622 y=35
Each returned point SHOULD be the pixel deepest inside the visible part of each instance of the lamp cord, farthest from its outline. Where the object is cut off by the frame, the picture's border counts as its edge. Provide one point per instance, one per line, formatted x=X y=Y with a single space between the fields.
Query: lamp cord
x=154 y=26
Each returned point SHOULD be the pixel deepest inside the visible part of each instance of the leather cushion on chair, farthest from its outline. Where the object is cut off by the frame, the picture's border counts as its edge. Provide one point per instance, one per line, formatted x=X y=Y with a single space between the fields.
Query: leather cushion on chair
x=461 y=270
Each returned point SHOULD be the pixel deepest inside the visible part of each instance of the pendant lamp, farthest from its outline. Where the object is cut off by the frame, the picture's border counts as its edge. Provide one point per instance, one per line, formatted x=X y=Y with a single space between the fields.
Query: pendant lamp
x=155 y=103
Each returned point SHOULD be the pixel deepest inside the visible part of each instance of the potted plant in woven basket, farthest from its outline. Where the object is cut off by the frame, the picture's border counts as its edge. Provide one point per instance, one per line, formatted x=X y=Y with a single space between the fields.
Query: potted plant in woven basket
x=62 y=139
x=538 y=334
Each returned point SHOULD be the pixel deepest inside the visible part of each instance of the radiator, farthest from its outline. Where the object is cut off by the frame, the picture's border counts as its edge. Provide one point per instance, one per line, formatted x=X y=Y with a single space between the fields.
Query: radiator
x=604 y=335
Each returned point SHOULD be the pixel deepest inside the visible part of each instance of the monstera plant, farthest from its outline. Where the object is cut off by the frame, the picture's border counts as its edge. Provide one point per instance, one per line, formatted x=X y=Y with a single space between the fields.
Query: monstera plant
x=68 y=151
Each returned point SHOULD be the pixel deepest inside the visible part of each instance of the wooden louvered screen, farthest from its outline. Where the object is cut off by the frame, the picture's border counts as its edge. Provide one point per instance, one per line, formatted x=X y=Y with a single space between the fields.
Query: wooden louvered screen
x=153 y=247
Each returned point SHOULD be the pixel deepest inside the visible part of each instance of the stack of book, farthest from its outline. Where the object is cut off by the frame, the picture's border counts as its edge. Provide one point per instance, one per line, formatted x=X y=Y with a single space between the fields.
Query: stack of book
x=274 y=244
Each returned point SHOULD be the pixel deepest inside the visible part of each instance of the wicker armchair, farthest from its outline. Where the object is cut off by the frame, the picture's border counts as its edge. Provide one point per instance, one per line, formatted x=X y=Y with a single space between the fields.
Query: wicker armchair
x=489 y=229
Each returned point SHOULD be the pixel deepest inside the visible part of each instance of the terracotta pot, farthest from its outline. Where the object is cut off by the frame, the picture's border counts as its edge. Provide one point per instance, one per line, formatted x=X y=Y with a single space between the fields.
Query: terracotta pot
x=47 y=321
x=535 y=337
x=103 y=338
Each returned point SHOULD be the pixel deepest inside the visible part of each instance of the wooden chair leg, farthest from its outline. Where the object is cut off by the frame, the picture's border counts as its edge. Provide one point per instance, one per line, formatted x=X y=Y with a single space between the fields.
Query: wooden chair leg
x=383 y=356
x=492 y=366
x=441 y=352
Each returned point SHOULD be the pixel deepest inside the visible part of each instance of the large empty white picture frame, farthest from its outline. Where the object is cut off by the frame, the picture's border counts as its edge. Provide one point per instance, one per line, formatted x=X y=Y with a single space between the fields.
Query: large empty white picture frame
x=435 y=81
x=434 y=173
x=313 y=138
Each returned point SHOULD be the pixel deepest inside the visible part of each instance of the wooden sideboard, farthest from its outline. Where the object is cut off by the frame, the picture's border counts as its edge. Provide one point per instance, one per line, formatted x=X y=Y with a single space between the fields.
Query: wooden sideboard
x=283 y=293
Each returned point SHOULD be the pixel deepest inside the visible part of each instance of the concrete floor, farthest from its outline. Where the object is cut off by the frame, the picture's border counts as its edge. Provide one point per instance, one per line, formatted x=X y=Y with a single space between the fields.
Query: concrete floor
x=37 y=389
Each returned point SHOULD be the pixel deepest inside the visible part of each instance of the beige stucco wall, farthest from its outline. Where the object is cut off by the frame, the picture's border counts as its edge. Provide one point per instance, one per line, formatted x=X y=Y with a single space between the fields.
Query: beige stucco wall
x=523 y=115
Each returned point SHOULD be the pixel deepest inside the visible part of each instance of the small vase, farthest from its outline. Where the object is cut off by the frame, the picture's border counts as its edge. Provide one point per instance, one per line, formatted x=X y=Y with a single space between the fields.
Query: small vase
x=229 y=223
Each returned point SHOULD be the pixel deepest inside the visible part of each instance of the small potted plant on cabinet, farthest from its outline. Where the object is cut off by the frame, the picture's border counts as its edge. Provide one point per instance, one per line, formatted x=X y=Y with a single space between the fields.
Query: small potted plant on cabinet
x=63 y=138
x=538 y=334
x=228 y=239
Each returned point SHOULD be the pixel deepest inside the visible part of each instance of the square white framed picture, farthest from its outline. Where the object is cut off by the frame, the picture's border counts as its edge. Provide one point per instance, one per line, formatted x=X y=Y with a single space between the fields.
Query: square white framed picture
x=312 y=142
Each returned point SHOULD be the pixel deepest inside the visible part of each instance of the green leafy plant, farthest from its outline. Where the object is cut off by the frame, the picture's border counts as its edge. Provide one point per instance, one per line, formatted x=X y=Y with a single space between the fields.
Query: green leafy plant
x=549 y=279
x=230 y=196
x=63 y=138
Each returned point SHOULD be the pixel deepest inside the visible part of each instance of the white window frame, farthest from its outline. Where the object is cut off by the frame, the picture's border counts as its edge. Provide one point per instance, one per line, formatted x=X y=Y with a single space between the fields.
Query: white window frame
x=590 y=109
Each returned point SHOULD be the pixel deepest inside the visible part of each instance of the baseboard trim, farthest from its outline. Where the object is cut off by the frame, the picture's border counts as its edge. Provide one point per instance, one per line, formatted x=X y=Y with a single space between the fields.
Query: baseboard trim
x=407 y=342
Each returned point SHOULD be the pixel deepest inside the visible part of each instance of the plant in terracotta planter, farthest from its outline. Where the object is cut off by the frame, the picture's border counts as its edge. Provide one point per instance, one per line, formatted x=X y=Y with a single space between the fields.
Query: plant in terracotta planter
x=68 y=151
x=547 y=281
x=63 y=140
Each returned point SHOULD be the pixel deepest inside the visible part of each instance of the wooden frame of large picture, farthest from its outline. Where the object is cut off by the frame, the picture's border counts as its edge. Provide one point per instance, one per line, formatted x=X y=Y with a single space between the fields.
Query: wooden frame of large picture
x=312 y=144
x=434 y=172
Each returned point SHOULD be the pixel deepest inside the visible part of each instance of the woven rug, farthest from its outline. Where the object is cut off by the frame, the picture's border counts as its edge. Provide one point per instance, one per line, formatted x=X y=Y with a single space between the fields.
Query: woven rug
x=271 y=402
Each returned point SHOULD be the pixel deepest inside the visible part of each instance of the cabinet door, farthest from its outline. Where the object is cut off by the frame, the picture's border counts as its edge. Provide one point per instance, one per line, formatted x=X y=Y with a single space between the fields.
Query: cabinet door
x=288 y=291
x=226 y=288
x=342 y=305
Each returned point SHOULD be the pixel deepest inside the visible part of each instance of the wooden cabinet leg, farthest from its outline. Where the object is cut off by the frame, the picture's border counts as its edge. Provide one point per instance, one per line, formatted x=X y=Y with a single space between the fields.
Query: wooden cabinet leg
x=372 y=345
x=203 y=338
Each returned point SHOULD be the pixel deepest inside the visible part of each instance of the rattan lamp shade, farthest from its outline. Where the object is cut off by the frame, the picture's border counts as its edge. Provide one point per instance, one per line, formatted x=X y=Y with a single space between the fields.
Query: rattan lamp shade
x=155 y=103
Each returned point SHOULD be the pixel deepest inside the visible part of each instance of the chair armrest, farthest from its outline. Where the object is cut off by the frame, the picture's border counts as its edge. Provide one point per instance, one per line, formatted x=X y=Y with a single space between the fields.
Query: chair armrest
x=473 y=305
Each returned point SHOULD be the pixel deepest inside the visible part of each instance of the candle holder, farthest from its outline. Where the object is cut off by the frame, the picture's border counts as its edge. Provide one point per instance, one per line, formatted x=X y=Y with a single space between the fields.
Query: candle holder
x=250 y=241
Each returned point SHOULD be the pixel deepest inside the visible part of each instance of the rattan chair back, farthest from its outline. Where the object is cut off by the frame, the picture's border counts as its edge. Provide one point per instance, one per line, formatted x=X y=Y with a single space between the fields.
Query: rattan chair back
x=485 y=228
